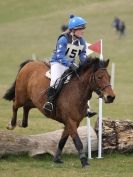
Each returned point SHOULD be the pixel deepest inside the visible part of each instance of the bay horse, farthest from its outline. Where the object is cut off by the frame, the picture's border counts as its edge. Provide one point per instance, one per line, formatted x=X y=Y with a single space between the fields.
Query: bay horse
x=28 y=91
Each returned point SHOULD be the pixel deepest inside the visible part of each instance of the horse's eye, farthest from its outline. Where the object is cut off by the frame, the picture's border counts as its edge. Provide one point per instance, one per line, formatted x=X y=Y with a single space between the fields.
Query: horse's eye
x=99 y=77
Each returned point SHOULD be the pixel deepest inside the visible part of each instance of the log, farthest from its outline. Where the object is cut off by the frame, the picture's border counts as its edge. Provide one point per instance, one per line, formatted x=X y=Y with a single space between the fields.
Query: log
x=10 y=143
x=108 y=134
x=124 y=131
x=116 y=135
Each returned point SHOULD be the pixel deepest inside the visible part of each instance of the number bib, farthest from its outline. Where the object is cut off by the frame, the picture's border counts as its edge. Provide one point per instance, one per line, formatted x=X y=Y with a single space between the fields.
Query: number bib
x=73 y=50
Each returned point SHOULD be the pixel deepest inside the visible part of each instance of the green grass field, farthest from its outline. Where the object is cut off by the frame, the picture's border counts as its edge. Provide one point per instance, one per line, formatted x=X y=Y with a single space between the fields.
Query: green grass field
x=32 y=27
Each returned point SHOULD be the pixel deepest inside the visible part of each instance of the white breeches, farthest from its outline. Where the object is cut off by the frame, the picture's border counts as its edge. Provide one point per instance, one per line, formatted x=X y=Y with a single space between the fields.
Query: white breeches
x=57 y=69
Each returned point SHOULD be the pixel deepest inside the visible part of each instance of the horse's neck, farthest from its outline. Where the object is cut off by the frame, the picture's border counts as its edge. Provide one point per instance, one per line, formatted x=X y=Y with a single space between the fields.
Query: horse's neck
x=77 y=92
x=84 y=84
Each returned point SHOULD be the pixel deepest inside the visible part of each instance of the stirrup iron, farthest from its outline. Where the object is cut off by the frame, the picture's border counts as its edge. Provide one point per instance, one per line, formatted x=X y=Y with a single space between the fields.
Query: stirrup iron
x=48 y=106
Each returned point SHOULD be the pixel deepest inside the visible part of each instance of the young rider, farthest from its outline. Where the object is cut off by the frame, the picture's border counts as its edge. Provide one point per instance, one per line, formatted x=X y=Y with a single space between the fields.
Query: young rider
x=69 y=45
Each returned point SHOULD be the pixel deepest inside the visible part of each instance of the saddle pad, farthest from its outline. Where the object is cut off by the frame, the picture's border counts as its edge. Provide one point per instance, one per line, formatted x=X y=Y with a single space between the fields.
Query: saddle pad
x=48 y=74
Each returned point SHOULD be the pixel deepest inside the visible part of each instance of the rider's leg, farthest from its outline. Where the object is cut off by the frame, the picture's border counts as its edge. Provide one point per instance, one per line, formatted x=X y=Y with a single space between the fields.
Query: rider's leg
x=50 y=98
x=57 y=69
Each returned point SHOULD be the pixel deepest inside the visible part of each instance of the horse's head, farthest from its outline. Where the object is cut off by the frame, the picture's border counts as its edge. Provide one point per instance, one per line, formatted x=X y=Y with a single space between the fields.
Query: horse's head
x=101 y=80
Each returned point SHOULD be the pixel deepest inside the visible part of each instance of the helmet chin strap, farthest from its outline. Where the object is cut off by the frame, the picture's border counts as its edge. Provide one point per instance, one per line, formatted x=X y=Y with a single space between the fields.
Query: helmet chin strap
x=74 y=38
x=73 y=35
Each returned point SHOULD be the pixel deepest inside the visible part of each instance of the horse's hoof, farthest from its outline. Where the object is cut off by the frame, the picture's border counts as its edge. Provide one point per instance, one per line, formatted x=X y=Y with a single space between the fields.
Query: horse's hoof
x=58 y=161
x=85 y=166
x=10 y=127
x=84 y=163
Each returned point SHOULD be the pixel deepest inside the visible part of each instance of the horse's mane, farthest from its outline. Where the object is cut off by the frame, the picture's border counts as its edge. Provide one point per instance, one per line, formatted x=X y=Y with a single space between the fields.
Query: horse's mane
x=91 y=62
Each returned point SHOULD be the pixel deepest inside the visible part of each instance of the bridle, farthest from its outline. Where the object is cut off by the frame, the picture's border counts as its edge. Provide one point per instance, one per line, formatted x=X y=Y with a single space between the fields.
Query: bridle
x=99 y=90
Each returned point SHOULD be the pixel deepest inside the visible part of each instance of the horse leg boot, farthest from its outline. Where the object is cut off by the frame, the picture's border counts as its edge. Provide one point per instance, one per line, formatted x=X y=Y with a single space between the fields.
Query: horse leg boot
x=48 y=106
x=57 y=157
x=62 y=142
x=79 y=146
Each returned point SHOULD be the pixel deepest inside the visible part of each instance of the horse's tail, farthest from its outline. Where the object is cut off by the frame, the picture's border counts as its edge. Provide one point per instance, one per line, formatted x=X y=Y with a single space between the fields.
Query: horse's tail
x=10 y=93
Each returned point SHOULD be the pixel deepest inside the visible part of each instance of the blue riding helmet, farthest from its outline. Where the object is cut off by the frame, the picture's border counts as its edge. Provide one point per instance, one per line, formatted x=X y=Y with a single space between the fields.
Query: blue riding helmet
x=76 y=22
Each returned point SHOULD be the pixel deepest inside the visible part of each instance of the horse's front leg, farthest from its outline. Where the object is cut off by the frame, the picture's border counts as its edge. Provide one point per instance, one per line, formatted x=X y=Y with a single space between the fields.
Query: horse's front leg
x=62 y=142
x=79 y=146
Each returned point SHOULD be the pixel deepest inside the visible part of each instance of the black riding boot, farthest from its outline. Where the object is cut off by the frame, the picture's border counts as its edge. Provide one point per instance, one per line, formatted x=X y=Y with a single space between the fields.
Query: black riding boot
x=48 y=106
x=90 y=114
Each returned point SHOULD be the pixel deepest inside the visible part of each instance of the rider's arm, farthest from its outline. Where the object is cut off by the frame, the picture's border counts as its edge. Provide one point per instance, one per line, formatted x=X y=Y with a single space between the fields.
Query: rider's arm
x=60 y=52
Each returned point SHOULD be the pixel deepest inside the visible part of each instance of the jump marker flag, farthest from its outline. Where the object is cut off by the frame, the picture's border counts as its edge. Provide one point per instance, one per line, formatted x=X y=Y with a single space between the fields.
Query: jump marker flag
x=98 y=48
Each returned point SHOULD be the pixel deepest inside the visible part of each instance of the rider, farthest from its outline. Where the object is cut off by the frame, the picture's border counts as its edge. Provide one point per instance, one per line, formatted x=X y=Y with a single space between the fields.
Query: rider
x=69 y=45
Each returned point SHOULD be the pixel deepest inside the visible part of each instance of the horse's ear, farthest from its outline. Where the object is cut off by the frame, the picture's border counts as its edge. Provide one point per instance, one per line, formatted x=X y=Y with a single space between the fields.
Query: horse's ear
x=106 y=63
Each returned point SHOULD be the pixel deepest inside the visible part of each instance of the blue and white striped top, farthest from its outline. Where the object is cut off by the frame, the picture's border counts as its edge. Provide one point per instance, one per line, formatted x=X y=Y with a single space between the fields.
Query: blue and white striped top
x=67 y=50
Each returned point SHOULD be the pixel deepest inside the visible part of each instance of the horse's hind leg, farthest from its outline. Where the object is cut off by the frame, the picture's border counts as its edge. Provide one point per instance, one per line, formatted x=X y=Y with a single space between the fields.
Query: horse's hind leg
x=12 y=124
x=24 y=122
x=62 y=142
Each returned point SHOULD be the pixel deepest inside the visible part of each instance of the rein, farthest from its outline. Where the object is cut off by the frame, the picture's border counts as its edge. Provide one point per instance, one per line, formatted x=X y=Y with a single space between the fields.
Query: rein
x=99 y=90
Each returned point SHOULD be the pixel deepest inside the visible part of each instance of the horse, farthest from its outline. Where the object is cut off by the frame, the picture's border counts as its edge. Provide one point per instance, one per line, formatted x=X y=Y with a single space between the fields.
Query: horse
x=29 y=91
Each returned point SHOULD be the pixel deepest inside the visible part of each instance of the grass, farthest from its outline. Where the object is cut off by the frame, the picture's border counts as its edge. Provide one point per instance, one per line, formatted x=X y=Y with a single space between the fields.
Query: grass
x=32 y=27
x=43 y=166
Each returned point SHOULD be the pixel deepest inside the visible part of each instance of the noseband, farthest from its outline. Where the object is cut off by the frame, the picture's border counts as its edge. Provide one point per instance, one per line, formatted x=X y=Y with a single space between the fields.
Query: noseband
x=99 y=90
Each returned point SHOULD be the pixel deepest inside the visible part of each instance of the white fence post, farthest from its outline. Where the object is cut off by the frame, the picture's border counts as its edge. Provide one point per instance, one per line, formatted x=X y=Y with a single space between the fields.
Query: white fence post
x=113 y=75
x=89 y=134
x=33 y=56
x=100 y=116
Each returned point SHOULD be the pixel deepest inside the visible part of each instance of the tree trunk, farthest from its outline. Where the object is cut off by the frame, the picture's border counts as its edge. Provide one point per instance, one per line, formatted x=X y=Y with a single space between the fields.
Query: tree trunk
x=117 y=135
x=42 y=143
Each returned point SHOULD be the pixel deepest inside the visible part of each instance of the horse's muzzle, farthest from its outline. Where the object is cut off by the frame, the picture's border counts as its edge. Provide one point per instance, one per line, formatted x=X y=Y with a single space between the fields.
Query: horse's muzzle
x=109 y=99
